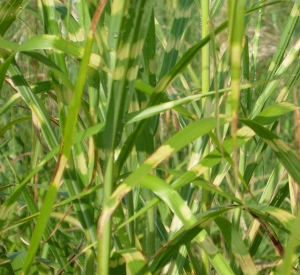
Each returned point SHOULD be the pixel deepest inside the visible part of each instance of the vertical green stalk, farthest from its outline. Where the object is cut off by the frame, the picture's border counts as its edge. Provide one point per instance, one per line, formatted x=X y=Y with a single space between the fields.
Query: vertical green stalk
x=131 y=36
x=205 y=76
x=104 y=240
x=205 y=51
x=236 y=9
x=147 y=140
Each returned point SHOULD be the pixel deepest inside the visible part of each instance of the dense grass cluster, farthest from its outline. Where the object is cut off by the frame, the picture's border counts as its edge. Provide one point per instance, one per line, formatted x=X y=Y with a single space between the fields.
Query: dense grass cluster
x=149 y=137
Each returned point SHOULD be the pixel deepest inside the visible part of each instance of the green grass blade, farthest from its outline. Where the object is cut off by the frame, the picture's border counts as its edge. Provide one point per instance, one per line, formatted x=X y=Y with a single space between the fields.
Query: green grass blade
x=51 y=42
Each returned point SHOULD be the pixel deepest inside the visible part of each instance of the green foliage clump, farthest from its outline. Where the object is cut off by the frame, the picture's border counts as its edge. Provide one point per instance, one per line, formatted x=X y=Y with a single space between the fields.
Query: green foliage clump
x=147 y=137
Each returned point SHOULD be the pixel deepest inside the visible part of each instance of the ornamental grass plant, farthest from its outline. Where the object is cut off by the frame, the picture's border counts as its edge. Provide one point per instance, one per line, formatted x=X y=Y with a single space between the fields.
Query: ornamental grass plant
x=149 y=137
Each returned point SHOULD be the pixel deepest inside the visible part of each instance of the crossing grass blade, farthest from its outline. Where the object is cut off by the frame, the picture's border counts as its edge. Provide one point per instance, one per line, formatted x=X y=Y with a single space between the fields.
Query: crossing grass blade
x=268 y=116
x=188 y=134
x=182 y=138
